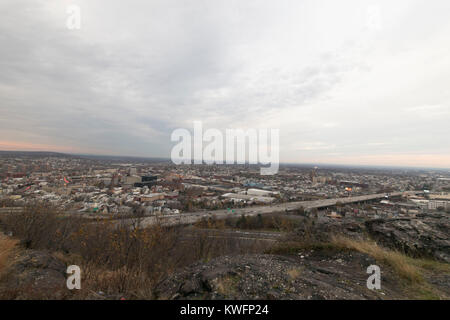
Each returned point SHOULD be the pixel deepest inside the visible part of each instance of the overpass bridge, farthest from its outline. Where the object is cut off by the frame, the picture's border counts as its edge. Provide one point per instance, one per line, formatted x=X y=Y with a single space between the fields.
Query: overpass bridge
x=192 y=217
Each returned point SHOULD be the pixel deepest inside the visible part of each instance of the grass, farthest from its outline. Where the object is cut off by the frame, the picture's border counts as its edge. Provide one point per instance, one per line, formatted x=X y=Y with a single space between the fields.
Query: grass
x=294 y=273
x=227 y=285
x=431 y=265
x=7 y=247
x=399 y=262
x=408 y=268
x=119 y=259
x=412 y=272
x=131 y=262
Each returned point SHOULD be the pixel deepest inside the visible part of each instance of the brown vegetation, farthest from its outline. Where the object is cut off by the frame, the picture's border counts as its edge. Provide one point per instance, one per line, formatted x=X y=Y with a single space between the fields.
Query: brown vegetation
x=119 y=258
x=7 y=247
x=258 y=222
x=414 y=272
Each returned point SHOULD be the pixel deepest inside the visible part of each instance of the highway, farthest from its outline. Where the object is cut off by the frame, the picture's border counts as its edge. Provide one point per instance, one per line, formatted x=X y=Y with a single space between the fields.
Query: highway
x=192 y=217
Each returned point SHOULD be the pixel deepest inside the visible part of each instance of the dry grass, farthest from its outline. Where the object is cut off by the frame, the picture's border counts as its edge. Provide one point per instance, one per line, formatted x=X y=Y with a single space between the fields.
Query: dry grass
x=119 y=259
x=7 y=247
x=399 y=262
x=130 y=261
x=294 y=273
x=115 y=284
x=408 y=268
x=412 y=271
x=431 y=265
x=227 y=285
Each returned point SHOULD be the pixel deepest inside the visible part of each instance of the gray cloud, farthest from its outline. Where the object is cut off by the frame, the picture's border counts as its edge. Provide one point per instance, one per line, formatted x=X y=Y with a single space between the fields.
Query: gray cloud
x=136 y=71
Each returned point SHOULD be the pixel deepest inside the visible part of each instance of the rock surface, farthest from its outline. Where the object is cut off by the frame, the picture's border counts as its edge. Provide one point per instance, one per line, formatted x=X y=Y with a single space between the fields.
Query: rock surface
x=426 y=234
x=318 y=275
x=309 y=275
x=35 y=274
x=303 y=275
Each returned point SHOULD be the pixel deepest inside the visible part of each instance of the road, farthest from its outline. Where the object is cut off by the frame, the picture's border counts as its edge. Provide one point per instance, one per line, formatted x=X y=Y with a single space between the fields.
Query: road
x=192 y=217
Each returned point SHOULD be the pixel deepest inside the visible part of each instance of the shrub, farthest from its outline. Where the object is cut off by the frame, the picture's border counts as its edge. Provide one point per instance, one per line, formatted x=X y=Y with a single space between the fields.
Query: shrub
x=119 y=257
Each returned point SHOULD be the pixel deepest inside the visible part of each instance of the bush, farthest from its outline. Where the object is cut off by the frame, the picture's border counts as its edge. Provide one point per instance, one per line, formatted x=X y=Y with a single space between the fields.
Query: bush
x=258 y=222
x=41 y=226
x=7 y=247
x=118 y=257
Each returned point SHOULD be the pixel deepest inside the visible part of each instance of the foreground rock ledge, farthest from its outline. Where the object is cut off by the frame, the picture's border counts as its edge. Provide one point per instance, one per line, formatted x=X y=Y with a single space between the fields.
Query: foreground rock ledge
x=308 y=275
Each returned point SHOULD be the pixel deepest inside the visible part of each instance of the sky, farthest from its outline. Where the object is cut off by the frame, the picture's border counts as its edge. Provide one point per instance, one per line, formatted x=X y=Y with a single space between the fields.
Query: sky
x=345 y=82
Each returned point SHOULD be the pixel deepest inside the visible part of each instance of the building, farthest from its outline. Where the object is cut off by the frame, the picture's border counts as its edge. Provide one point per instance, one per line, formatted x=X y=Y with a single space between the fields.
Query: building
x=246 y=197
x=436 y=204
x=131 y=180
x=151 y=197
x=146 y=181
x=259 y=192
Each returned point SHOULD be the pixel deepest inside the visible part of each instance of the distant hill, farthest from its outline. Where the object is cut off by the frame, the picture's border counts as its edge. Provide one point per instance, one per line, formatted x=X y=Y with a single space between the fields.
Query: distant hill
x=33 y=154
x=45 y=154
x=122 y=158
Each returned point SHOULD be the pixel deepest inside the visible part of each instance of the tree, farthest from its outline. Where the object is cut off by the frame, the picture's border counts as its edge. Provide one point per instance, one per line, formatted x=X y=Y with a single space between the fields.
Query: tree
x=300 y=211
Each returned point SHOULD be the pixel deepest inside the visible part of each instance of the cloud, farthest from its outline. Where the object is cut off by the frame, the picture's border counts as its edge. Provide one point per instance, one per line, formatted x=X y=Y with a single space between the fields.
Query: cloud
x=136 y=71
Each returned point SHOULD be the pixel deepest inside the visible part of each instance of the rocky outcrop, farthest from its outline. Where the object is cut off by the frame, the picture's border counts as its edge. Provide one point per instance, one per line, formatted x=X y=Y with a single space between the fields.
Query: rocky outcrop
x=324 y=228
x=36 y=275
x=425 y=234
x=308 y=275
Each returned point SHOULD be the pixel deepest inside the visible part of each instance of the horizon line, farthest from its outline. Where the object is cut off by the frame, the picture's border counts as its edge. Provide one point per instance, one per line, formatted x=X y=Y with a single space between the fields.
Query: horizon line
x=281 y=163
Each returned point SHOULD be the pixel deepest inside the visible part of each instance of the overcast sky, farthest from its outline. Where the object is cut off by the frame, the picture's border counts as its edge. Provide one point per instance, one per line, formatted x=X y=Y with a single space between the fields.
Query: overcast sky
x=350 y=81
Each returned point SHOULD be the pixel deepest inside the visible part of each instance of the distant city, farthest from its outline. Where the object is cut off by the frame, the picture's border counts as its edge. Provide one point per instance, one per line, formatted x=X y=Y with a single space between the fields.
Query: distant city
x=239 y=151
x=101 y=185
